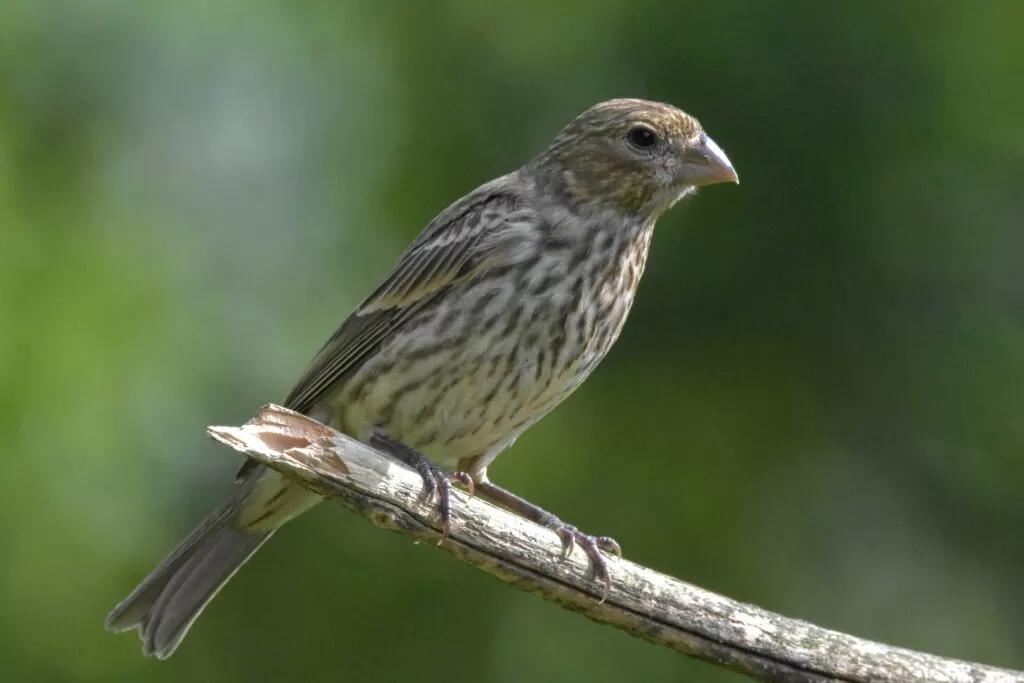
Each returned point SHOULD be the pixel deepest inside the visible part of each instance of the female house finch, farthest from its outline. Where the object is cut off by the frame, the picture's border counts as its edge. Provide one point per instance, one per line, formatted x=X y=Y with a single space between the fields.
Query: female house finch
x=501 y=307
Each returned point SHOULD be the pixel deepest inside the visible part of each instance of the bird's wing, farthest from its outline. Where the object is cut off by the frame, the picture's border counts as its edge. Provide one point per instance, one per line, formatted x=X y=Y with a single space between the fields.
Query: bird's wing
x=449 y=250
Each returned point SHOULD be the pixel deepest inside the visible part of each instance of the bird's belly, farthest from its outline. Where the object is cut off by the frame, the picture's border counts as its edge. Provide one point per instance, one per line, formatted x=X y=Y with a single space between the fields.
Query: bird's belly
x=471 y=412
x=462 y=400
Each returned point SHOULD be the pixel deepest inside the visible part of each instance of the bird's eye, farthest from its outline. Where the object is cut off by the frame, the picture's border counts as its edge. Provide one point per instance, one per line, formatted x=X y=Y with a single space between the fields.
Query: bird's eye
x=642 y=137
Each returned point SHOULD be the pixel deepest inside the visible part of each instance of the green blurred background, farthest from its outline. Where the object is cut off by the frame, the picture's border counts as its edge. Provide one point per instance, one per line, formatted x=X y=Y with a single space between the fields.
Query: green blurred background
x=816 y=405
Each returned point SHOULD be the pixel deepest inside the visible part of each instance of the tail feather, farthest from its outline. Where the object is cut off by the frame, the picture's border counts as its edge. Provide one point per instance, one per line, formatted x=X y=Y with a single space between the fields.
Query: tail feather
x=169 y=600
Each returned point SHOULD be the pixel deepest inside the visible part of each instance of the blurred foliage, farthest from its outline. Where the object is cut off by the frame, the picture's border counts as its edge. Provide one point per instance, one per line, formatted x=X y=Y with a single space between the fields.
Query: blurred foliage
x=815 y=407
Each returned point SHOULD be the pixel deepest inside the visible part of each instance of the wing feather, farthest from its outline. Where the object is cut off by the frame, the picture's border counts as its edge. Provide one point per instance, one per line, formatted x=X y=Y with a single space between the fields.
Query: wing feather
x=448 y=251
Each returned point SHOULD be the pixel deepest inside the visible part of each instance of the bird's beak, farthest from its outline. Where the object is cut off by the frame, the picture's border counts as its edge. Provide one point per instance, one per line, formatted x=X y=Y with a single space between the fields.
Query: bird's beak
x=706 y=164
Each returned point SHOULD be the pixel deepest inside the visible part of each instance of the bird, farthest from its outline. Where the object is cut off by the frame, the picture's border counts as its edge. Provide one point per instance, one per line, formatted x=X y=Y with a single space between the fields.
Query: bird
x=499 y=309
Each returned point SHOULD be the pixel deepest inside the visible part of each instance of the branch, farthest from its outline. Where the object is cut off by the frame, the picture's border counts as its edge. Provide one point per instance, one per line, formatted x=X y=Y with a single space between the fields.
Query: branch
x=642 y=602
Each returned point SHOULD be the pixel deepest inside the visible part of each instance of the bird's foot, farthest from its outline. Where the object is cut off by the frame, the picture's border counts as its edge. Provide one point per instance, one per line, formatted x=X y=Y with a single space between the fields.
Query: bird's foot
x=592 y=546
x=570 y=535
x=437 y=484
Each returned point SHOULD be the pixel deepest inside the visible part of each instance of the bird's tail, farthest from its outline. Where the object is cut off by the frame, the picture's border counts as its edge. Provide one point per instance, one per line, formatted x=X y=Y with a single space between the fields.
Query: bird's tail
x=169 y=600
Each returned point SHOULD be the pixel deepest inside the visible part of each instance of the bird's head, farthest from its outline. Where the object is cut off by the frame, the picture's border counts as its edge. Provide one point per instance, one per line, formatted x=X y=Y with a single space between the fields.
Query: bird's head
x=634 y=157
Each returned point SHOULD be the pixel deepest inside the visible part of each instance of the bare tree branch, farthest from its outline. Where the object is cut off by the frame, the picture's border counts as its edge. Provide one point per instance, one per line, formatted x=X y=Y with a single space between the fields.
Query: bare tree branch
x=642 y=602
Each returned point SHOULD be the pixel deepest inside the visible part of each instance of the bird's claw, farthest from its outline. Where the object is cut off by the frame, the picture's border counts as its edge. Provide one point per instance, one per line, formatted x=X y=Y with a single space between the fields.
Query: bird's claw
x=569 y=535
x=592 y=546
x=465 y=479
x=439 y=487
x=437 y=484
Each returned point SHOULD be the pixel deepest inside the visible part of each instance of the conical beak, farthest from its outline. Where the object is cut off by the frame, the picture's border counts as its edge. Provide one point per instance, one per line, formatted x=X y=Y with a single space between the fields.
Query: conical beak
x=706 y=164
